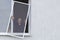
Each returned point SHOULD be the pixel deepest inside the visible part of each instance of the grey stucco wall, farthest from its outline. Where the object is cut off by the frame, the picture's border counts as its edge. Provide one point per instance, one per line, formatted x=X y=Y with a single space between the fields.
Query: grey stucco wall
x=5 y=10
x=45 y=21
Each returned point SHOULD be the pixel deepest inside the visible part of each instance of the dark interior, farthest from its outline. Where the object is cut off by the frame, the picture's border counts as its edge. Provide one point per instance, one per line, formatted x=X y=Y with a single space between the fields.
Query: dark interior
x=20 y=11
x=24 y=1
x=26 y=31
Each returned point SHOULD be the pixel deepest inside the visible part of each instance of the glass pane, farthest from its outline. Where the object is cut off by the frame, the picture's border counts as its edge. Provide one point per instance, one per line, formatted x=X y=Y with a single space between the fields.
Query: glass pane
x=20 y=13
x=26 y=30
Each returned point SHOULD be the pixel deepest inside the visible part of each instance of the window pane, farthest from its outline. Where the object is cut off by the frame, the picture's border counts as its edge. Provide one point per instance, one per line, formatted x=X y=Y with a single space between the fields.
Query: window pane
x=20 y=13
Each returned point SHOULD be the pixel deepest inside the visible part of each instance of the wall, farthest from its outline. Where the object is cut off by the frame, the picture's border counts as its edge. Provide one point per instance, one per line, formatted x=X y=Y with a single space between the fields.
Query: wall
x=45 y=21
x=5 y=7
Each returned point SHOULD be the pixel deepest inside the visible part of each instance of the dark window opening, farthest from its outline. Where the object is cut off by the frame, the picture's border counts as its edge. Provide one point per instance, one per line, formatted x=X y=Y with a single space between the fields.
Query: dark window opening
x=26 y=31
x=24 y=1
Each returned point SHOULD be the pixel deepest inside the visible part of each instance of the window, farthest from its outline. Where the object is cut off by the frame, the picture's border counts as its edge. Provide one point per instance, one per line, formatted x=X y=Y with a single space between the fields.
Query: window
x=19 y=23
x=17 y=20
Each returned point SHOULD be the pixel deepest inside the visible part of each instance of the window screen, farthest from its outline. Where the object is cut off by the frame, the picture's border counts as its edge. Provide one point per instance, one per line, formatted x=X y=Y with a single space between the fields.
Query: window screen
x=20 y=14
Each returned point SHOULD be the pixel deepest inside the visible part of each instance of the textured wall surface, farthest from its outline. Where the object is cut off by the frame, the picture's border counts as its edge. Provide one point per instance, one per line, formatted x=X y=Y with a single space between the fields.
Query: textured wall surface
x=5 y=10
x=45 y=21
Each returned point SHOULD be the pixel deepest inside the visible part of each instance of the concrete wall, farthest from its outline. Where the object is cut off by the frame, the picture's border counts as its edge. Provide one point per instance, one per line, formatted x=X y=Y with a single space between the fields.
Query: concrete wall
x=45 y=21
x=5 y=10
